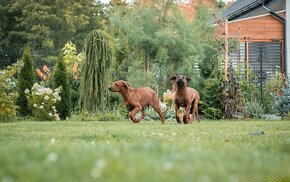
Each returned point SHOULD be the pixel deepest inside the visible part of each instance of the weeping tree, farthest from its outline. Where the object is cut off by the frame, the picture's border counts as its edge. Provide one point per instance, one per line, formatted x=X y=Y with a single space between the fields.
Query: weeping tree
x=96 y=71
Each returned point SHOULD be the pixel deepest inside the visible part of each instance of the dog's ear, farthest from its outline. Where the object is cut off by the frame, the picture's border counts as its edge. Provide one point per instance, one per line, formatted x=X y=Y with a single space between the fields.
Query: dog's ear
x=127 y=85
x=188 y=79
x=173 y=78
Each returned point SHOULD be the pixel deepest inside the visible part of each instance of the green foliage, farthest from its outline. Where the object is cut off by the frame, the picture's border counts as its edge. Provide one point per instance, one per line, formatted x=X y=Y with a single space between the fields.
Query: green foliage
x=42 y=102
x=73 y=61
x=282 y=100
x=60 y=79
x=250 y=89
x=8 y=92
x=138 y=77
x=272 y=85
x=254 y=110
x=213 y=113
x=160 y=41
x=96 y=71
x=213 y=87
x=26 y=80
x=107 y=115
x=47 y=25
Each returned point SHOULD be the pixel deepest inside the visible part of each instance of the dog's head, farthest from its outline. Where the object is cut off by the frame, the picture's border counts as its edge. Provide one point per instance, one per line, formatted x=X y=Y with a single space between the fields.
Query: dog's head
x=119 y=86
x=180 y=80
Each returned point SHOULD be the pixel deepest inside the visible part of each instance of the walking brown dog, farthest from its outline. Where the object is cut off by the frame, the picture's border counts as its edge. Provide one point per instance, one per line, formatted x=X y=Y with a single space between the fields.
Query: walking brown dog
x=136 y=99
x=185 y=97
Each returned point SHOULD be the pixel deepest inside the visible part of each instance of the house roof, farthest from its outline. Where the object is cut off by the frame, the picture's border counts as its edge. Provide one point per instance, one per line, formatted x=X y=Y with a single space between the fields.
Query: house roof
x=241 y=6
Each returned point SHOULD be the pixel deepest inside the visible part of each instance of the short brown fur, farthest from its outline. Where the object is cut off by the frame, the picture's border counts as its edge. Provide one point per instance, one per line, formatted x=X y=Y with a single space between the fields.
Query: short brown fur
x=185 y=97
x=136 y=99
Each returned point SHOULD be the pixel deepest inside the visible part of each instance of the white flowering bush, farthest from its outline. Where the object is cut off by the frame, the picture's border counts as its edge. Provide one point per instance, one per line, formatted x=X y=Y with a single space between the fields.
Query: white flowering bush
x=42 y=101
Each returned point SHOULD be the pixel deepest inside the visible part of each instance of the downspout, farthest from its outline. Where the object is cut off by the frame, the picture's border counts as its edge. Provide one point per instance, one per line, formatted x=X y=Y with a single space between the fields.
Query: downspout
x=283 y=20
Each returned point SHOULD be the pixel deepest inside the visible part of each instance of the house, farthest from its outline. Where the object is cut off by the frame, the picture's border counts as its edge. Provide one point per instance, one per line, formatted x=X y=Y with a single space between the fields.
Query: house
x=261 y=27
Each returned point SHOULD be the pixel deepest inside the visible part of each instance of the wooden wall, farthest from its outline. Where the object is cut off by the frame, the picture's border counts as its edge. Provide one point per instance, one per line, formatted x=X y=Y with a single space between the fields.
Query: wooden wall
x=264 y=28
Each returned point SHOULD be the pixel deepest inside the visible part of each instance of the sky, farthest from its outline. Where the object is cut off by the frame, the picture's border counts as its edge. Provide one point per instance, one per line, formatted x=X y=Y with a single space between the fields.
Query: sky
x=107 y=1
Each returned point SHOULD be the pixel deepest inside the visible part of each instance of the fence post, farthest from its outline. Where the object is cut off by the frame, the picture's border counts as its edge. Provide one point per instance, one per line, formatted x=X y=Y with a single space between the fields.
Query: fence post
x=261 y=74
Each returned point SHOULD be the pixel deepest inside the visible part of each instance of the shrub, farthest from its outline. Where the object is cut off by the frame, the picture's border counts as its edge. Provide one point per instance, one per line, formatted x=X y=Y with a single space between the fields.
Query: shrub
x=210 y=103
x=25 y=81
x=254 y=110
x=60 y=79
x=42 y=101
x=168 y=98
x=72 y=61
x=231 y=96
x=282 y=100
x=8 y=92
x=271 y=85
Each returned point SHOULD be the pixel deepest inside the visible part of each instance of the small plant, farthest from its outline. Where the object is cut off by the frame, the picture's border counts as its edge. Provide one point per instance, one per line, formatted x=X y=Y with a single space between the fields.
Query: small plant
x=212 y=113
x=25 y=80
x=42 y=101
x=254 y=110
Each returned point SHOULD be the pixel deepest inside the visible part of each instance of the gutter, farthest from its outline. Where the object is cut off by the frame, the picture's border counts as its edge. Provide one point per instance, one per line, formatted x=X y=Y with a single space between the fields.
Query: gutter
x=244 y=9
x=282 y=20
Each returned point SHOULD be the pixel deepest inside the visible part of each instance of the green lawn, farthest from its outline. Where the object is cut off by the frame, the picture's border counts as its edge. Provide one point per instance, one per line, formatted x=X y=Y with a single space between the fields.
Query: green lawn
x=148 y=151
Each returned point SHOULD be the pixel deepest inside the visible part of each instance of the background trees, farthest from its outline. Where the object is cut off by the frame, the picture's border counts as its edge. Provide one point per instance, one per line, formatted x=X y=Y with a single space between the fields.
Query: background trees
x=46 y=26
x=153 y=40
x=160 y=41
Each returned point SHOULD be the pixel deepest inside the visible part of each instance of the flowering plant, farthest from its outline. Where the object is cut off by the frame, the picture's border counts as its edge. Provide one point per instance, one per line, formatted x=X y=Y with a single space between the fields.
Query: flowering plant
x=8 y=92
x=42 y=101
x=168 y=98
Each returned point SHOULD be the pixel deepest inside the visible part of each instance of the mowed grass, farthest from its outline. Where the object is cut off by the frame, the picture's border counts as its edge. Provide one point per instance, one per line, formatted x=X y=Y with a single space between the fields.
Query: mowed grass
x=148 y=151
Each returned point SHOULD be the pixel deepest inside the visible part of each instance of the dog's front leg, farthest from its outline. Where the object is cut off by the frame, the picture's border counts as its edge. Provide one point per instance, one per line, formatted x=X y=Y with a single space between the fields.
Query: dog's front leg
x=177 y=114
x=133 y=113
x=186 y=117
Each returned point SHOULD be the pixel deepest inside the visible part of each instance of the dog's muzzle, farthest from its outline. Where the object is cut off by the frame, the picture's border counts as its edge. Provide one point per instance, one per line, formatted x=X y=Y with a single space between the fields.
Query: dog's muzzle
x=110 y=88
x=180 y=82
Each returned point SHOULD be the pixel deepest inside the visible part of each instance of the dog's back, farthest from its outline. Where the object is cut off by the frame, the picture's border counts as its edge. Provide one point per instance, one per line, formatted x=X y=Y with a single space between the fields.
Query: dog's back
x=146 y=96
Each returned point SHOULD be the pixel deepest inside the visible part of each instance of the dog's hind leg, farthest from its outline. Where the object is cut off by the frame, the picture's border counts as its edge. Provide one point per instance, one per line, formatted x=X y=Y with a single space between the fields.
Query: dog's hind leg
x=192 y=113
x=158 y=110
x=195 y=109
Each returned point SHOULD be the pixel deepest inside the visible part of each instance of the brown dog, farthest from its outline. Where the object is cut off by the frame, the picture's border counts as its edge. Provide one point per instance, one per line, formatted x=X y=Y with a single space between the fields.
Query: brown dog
x=136 y=99
x=185 y=97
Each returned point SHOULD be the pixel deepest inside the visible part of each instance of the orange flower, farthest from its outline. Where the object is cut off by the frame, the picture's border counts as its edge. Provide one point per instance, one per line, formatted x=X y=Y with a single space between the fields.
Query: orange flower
x=75 y=68
x=45 y=69
x=40 y=74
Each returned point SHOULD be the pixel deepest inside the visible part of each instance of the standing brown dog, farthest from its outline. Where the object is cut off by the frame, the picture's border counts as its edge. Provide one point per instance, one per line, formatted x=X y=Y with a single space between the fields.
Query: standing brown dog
x=136 y=99
x=185 y=97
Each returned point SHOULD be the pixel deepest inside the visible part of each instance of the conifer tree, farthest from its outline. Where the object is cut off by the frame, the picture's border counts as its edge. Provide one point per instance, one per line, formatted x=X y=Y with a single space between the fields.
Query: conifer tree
x=26 y=80
x=60 y=78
